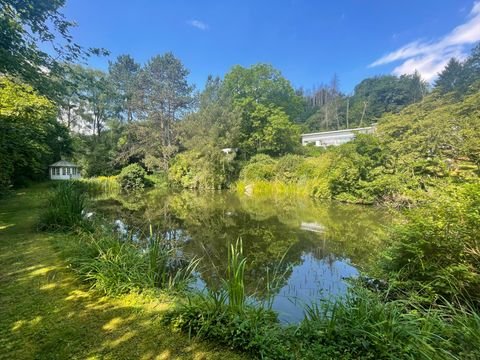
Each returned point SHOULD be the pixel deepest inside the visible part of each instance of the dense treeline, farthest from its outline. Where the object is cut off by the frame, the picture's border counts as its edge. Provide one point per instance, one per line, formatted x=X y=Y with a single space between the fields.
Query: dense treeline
x=149 y=113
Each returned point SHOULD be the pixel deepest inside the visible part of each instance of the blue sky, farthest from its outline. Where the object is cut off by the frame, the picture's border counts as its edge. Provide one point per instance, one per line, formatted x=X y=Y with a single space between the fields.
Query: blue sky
x=308 y=41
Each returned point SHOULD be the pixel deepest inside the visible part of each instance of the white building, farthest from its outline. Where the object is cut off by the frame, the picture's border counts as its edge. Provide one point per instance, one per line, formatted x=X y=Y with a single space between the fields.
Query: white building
x=64 y=170
x=335 y=138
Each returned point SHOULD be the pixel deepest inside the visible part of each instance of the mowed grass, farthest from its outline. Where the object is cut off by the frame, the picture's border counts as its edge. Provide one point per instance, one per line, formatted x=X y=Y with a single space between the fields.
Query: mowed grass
x=47 y=313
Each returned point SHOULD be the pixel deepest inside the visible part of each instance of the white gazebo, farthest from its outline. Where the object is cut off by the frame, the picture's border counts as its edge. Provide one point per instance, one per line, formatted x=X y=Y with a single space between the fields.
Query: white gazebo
x=64 y=170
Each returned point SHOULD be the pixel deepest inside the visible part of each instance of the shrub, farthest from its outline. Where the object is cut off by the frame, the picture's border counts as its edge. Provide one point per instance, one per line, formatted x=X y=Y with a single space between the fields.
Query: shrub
x=132 y=178
x=436 y=252
x=260 y=167
x=65 y=207
x=287 y=168
x=210 y=169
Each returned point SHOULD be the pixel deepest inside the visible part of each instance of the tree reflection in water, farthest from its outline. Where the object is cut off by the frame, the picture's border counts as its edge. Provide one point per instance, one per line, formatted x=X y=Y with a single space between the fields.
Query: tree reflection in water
x=321 y=242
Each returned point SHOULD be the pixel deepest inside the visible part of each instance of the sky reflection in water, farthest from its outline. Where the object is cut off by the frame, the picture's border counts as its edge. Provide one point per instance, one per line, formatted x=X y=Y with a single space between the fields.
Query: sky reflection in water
x=322 y=243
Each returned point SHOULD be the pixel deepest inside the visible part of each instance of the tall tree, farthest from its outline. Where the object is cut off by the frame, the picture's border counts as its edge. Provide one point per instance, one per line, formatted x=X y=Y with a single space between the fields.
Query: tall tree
x=451 y=77
x=265 y=85
x=23 y=26
x=123 y=74
x=95 y=99
x=166 y=94
x=30 y=136
x=472 y=67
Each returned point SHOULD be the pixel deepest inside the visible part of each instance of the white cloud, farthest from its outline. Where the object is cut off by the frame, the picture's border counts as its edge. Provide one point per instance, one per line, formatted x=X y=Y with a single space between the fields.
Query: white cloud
x=198 y=24
x=429 y=57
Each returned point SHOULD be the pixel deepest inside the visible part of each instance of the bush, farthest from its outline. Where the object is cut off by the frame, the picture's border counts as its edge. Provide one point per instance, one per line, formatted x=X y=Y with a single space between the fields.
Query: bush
x=287 y=168
x=260 y=167
x=132 y=178
x=65 y=207
x=436 y=252
x=210 y=169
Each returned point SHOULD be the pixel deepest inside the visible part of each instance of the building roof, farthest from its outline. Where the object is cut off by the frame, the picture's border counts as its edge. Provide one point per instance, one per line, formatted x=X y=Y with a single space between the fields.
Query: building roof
x=341 y=131
x=64 y=164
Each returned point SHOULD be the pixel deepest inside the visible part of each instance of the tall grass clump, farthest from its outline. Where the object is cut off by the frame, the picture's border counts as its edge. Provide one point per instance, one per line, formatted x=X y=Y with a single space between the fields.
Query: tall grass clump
x=101 y=185
x=235 y=280
x=363 y=326
x=168 y=270
x=117 y=266
x=65 y=207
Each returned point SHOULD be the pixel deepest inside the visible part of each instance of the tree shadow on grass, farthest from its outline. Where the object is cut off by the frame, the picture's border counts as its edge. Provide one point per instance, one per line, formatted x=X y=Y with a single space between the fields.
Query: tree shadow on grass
x=47 y=313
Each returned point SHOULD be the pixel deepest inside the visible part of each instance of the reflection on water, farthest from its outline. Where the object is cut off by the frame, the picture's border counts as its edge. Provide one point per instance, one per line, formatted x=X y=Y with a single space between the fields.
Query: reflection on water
x=321 y=243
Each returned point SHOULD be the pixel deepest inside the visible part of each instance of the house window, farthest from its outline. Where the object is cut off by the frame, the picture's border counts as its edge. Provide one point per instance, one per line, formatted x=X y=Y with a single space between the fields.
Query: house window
x=57 y=171
x=64 y=171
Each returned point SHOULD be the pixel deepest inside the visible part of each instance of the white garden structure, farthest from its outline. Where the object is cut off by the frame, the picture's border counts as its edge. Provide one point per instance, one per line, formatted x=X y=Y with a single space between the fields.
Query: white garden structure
x=64 y=170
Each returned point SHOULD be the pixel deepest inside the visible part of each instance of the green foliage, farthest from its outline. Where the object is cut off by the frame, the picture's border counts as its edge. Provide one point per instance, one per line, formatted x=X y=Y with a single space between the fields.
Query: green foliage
x=460 y=77
x=102 y=185
x=123 y=74
x=210 y=169
x=328 y=109
x=119 y=266
x=26 y=26
x=263 y=85
x=235 y=280
x=259 y=167
x=65 y=207
x=132 y=178
x=432 y=137
x=216 y=123
x=266 y=129
x=30 y=136
x=288 y=167
x=436 y=252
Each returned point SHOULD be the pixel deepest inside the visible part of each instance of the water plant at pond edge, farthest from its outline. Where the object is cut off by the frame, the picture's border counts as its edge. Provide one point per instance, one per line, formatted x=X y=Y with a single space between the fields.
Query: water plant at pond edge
x=235 y=281
x=224 y=314
x=65 y=207
x=101 y=185
x=117 y=266
x=435 y=254
x=169 y=271
x=364 y=326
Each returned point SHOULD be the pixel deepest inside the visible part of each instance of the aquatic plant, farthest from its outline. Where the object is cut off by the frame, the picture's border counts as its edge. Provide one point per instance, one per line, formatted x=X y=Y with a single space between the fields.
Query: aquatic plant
x=235 y=279
x=168 y=270
x=116 y=266
x=101 y=185
x=65 y=207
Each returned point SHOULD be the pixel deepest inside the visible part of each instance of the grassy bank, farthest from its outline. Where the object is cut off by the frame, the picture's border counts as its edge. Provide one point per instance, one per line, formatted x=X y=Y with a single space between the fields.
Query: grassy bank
x=46 y=312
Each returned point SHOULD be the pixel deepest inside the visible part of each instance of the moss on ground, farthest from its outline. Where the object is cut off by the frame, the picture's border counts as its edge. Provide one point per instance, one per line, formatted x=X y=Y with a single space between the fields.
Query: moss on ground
x=47 y=313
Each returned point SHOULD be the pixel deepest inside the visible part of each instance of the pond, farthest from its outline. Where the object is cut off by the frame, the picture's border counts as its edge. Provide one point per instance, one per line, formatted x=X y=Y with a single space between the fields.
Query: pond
x=313 y=247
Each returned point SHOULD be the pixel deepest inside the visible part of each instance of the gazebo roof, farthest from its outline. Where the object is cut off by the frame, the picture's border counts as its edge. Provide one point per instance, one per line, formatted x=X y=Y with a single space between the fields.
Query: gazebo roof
x=64 y=164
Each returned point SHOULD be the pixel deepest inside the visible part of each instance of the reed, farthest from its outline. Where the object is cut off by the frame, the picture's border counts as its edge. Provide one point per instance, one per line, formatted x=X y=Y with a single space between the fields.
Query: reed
x=65 y=207
x=101 y=185
x=166 y=269
x=234 y=282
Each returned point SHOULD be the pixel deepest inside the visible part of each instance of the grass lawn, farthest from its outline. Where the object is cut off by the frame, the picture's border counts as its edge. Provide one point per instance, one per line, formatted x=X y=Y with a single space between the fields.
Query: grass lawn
x=47 y=313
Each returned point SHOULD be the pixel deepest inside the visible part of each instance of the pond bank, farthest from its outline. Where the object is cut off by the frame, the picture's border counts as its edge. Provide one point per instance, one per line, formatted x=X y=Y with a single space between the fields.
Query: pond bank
x=46 y=312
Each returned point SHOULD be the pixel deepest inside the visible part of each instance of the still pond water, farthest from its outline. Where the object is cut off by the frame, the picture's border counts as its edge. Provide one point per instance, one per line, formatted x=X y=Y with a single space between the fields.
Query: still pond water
x=322 y=243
